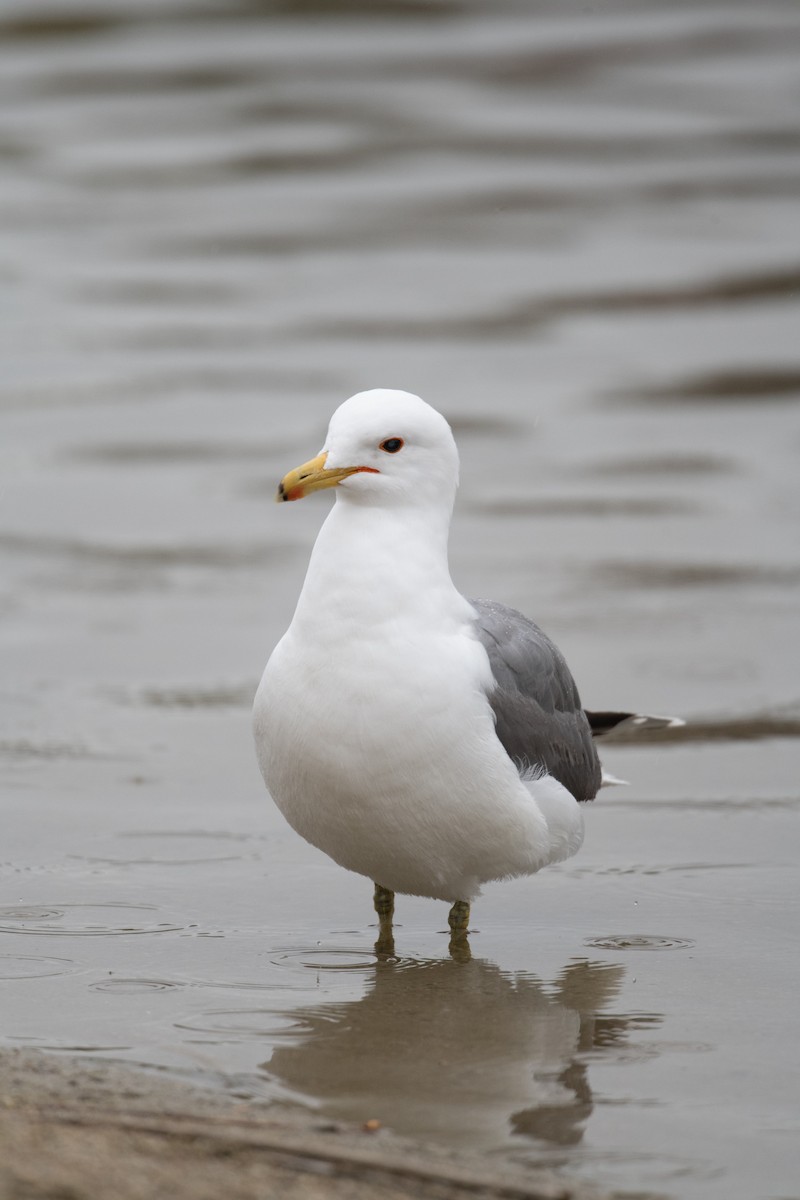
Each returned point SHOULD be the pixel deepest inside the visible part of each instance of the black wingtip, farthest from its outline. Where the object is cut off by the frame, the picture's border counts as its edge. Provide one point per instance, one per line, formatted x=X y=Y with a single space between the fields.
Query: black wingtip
x=602 y=723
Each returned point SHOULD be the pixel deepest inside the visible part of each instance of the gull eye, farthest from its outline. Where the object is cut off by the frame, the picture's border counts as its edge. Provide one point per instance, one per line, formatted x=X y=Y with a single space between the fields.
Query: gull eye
x=392 y=445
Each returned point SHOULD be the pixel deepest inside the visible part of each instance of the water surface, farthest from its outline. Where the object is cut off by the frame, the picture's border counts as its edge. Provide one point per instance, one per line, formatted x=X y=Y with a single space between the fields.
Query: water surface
x=576 y=232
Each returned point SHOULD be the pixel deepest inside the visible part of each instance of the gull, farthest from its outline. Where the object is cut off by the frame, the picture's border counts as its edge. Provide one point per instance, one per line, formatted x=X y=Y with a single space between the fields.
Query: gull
x=429 y=742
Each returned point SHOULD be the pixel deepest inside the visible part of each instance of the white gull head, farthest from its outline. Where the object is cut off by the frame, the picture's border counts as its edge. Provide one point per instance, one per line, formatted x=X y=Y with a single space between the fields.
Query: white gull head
x=366 y=430
x=384 y=447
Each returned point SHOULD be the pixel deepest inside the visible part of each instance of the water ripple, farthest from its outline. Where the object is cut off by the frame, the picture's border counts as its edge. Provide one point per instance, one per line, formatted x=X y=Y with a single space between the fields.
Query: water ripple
x=33 y=966
x=85 y=920
x=638 y=941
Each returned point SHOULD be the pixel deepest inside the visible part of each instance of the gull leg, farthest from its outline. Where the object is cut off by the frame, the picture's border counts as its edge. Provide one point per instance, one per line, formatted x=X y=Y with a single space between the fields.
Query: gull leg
x=384 y=903
x=384 y=907
x=458 y=920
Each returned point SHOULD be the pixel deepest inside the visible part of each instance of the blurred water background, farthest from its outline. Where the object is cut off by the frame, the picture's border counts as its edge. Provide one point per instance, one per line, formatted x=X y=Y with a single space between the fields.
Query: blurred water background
x=576 y=230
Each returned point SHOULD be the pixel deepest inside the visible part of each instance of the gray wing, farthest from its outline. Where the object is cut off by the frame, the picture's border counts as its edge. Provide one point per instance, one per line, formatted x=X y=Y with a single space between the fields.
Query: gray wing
x=536 y=703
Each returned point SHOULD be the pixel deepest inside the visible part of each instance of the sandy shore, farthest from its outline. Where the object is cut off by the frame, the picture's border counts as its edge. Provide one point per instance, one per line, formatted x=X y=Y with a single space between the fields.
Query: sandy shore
x=74 y=1130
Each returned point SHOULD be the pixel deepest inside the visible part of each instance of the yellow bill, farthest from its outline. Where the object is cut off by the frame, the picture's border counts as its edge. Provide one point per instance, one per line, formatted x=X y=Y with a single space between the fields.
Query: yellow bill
x=313 y=476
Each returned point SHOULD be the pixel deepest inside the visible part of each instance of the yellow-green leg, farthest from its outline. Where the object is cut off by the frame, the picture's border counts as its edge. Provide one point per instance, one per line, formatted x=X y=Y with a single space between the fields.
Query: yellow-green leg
x=458 y=920
x=384 y=907
x=384 y=903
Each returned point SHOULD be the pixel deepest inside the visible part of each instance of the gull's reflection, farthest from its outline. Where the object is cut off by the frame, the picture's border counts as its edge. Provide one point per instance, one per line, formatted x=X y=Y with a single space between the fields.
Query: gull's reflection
x=459 y=1051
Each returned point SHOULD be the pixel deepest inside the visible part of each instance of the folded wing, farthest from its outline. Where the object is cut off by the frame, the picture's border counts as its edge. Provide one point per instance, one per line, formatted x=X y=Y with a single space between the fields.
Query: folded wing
x=539 y=718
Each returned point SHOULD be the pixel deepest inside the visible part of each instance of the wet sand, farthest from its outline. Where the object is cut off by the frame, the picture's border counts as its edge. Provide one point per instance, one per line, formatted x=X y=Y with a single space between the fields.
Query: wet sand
x=78 y=1130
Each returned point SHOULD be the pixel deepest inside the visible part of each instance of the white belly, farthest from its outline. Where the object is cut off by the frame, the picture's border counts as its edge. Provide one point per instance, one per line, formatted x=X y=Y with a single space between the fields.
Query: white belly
x=392 y=766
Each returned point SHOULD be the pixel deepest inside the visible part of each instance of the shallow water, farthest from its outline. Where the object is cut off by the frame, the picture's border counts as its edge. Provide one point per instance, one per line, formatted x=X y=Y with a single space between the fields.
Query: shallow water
x=576 y=233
